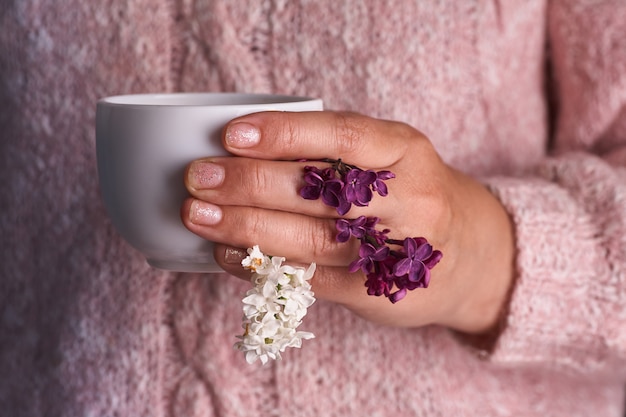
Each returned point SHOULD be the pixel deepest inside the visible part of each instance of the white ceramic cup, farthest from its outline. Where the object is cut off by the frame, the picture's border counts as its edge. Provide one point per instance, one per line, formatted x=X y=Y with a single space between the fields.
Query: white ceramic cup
x=144 y=142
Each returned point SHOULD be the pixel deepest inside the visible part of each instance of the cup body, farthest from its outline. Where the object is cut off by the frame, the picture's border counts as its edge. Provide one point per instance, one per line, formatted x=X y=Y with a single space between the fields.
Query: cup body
x=143 y=144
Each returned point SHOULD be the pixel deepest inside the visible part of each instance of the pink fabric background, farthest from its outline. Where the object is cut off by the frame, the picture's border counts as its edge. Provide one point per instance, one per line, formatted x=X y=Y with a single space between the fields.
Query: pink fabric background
x=87 y=328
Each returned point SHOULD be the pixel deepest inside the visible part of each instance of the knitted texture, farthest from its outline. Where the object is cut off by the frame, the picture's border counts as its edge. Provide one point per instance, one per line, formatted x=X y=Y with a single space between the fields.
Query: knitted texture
x=80 y=312
x=87 y=328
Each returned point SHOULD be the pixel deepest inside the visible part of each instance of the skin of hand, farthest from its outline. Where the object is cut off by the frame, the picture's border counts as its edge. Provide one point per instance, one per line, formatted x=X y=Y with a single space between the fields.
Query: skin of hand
x=252 y=198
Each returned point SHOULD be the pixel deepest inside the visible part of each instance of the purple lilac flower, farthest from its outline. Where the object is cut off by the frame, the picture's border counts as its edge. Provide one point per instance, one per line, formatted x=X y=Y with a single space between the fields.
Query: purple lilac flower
x=322 y=183
x=380 y=281
x=357 y=186
x=377 y=284
x=397 y=295
x=343 y=185
x=343 y=206
x=379 y=236
x=379 y=185
x=315 y=179
x=331 y=193
x=348 y=228
x=403 y=282
x=368 y=257
x=420 y=258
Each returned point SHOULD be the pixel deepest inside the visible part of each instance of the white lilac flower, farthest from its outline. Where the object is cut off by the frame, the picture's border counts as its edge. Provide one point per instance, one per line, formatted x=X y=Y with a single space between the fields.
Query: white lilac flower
x=255 y=260
x=274 y=308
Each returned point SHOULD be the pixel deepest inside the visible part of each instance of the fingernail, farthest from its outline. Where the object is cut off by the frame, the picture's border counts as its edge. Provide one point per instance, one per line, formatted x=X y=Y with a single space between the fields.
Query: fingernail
x=205 y=175
x=234 y=256
x=204 y=213
x=242 y=135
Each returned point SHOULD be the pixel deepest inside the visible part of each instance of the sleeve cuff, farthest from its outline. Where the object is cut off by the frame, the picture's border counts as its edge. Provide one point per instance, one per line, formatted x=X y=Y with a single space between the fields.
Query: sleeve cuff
x=562 y=289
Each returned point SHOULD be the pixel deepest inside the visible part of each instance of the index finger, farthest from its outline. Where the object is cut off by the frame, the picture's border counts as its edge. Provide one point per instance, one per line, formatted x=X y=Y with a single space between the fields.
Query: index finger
x=356 y=139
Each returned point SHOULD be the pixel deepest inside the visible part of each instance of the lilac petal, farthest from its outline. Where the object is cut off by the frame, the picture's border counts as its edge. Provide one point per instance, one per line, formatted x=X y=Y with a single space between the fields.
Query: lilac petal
x=359 y=221
x=410 y=246
x=417 y=271
x=334 y=184
x=367 y=177
x=380 y=237
x=373 y=289
x=349 y=193
x=313 y=178
x=352 y=175
x=357 y=232
x=402 y=267
x=381 y=188
x=327 y=174
x=310 y=192
x=379 y=185
x=371 y=222
x=343 y=236
x=426 y=279
x=381 y=253
x=397 y=296
x=342 y=225
x=385 y=175
x=356 y=226
x=376 y=285
x=410 y=285
x=331 y=192
x=363 y=196
x=330 y=199
x=310 y=169
x=343 y=206
x=348 y=228
x=355 y=265
x=433 y=260
x=423 y=251
x=366 y=250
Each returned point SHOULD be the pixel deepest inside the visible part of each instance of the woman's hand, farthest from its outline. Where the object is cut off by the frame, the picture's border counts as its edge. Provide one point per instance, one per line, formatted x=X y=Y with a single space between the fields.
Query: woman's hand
x=253 y=199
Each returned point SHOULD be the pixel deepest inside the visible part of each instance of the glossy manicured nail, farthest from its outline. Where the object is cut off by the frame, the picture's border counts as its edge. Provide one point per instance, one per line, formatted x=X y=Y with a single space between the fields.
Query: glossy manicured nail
x=204 y=175
x=242 y=135
x=234 y=256
x=205 y=214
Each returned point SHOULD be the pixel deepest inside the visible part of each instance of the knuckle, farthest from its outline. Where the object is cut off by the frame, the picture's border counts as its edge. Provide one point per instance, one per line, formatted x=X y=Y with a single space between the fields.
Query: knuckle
x=290 y=134
x=284 y=131
x=406 y=131
x=254 y=227
x=437 y=206
x=335 y=285
x=442 y=209
x=430 y=205
x=410 y=139
x=350 y=130
x=253 y=180
x=320 y=238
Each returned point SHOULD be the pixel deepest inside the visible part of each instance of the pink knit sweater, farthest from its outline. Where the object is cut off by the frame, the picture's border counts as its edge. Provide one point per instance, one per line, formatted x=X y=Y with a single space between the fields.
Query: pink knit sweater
x=529 y=95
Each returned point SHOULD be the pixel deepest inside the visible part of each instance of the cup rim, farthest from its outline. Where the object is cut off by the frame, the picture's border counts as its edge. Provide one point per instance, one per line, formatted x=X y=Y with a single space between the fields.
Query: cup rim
x=202 y=99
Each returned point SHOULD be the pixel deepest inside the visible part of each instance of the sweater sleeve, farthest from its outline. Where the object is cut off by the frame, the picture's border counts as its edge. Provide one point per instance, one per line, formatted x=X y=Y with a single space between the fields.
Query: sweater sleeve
x=568 y=302
x=567 y=305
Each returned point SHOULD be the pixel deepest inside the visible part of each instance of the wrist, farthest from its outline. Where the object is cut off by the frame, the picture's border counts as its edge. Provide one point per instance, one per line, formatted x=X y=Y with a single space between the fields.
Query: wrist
x=485 y=261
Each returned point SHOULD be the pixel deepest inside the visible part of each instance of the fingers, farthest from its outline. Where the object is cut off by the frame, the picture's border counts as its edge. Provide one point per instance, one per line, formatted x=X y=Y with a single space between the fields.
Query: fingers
x=336 y=284
x=316 y=135
x=253 y=199
x=265 y=184
x=330 y=283
x=298 y=237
